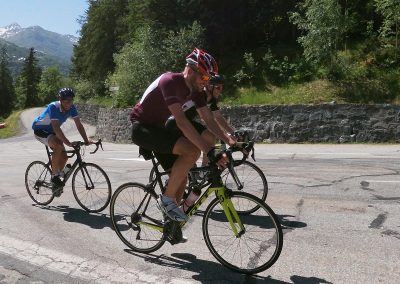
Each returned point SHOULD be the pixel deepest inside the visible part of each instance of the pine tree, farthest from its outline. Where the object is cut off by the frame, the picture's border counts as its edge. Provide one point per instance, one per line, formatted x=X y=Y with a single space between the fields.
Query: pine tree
x=29 y=78
x=7 y=95
x=100 y=39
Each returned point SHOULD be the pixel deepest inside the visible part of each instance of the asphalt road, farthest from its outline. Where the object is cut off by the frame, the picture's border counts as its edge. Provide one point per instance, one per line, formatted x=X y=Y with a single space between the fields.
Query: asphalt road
x=339 y=204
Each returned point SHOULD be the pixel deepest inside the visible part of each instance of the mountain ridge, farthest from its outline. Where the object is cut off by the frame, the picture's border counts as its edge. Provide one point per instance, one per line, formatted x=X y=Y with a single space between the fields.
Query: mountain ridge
x=41 y=39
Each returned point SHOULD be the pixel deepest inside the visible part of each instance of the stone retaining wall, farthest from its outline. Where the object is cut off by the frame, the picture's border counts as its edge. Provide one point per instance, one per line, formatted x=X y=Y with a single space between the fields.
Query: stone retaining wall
x=279 y=124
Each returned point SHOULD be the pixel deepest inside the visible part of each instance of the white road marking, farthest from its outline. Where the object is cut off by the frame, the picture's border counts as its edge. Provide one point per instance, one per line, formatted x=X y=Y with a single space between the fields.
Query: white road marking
x=383 y=181
x=73 y=265
x=128 y=159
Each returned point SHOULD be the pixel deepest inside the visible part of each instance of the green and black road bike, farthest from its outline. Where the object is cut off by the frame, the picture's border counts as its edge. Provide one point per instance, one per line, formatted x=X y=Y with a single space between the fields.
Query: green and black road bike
x=251 y=178
x=239 y=237
x=90 y=184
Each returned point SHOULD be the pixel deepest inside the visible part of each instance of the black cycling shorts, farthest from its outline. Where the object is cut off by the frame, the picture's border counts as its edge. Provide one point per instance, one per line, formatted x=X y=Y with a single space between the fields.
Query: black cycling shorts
x=160 y=140
x=42 y=133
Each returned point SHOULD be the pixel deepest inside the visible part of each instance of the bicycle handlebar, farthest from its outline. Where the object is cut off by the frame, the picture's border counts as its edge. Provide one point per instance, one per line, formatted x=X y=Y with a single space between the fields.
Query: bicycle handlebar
x=240 y=146
x=215 y=155
x=77 y=145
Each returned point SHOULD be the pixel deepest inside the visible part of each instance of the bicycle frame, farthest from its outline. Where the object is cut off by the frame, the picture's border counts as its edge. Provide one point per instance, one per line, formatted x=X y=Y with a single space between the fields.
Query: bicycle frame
x=216 y=185
x=226 y=203
x=78 y=162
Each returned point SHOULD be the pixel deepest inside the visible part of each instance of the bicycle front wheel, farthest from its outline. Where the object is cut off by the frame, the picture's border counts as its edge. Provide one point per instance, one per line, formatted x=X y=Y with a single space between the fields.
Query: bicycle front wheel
x=38 y=183
x=91 y=187
x=258 y=244
x=136 y=218
x=252 y=179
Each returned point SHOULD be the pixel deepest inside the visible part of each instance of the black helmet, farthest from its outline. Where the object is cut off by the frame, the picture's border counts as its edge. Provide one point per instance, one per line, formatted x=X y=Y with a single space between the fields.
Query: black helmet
x=216 y=79
x=66 y=93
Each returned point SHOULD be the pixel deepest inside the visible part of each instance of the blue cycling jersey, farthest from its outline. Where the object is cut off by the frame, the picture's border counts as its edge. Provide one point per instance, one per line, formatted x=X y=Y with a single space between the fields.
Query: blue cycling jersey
x=53 y=112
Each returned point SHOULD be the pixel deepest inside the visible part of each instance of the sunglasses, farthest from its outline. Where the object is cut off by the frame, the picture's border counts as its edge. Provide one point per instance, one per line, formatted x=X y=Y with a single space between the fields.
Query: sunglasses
x=204 y=77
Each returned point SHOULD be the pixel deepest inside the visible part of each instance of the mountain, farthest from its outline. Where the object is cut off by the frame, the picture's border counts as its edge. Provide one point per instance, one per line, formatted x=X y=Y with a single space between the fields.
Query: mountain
x=17 y=54
x=48 y=42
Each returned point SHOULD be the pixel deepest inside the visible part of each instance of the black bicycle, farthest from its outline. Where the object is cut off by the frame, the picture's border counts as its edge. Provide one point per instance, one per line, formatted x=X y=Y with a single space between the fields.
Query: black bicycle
x=247 y=243
x=90 y=184
x=251 y=178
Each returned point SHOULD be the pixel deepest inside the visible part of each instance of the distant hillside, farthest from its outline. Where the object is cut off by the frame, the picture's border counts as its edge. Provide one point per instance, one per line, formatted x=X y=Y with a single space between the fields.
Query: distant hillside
x=17 y=54
x=46 y=41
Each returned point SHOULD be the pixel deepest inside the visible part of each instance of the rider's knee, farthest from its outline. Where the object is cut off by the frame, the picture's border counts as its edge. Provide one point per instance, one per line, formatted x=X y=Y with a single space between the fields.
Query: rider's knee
x=57 y=145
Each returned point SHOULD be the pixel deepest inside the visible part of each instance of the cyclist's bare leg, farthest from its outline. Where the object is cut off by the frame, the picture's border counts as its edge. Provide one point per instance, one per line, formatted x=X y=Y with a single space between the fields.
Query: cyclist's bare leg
x=59 y=157
x=188 y=154
x=211 y=140
x=181 y=189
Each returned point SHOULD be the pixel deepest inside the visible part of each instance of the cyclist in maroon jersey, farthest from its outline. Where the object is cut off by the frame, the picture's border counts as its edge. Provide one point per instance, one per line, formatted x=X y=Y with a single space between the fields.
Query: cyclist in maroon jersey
x=177 y=149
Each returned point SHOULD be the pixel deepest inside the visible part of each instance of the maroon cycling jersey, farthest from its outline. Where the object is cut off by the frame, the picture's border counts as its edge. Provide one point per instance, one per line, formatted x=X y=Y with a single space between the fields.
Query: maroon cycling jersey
x=168 y=89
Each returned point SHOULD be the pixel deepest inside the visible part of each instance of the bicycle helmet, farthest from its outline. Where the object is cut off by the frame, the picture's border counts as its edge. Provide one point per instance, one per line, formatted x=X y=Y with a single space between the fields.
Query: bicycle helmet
x=66 y=93
x=203 y=61
x=216 y=80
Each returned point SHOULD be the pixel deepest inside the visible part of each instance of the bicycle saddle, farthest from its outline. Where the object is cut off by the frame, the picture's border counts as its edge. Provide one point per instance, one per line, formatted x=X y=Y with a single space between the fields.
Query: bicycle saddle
x=147 y=154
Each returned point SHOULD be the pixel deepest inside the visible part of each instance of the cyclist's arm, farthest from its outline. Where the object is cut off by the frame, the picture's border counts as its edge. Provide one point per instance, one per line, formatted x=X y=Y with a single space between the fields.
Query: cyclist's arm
x=57 y=130
x=81 y=130
x=223 y=123
x=187 y=128
x=207 y=116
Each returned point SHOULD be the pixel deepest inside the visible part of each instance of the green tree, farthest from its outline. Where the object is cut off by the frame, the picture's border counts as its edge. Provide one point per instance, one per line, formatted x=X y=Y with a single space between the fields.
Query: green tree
x=323 y=24
x=20 y=92
x=390 y=29
x=101 y=37
x=28 y=81
x=151 y=53
x=50 y=82
x=7 y=95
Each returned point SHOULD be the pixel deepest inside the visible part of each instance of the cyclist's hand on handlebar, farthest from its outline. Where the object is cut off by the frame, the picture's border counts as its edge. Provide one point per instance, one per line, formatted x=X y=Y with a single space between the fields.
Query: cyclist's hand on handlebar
x=68 y=143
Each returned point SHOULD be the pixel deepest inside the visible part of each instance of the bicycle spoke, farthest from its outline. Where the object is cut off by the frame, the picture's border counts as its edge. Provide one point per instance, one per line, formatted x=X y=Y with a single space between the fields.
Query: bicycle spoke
x=256 y=247
x=91 y=187
x=138 y=207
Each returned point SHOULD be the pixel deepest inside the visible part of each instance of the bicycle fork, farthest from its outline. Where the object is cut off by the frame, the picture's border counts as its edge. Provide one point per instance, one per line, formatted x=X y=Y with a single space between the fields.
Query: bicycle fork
x=231 y=214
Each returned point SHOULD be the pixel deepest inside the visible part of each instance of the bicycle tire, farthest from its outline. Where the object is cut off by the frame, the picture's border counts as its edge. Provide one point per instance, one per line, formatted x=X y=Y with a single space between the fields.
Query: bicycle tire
x=263 y=235
x=38 y=183
x=152 y=175
x=94 y=199
x=252 y=178
x=125 y=202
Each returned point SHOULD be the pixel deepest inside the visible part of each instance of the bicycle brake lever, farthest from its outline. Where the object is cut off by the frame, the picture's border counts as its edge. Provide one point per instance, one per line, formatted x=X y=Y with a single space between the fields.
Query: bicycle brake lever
x=95 y=150
x=98 y=143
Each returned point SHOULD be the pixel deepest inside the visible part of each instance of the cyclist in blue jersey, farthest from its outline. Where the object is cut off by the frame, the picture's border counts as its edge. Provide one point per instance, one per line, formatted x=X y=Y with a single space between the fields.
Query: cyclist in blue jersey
x=46 y=128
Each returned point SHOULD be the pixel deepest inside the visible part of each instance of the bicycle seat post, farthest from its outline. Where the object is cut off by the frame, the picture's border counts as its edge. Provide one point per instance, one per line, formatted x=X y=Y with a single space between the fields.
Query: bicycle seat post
x=48 y=154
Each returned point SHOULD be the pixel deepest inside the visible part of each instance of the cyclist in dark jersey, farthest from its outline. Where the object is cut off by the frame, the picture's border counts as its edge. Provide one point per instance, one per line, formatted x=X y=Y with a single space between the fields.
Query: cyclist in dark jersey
x=212 y=92
x=180 y=148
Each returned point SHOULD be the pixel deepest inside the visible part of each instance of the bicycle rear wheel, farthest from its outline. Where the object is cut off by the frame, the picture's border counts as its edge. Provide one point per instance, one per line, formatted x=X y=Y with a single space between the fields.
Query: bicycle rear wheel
x=135 y=216
x=252 y=179
x=256 y=248
x=91 y=187
x=38 y=183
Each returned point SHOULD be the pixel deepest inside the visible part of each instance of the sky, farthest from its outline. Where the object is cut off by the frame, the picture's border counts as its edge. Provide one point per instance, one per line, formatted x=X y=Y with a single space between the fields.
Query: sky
x=54 y=15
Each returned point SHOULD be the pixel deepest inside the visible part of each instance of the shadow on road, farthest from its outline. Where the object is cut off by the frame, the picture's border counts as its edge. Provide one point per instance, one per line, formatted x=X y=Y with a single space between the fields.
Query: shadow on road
x=207 y=271
x=75 y=215
x=213 y=272
x=288 y=224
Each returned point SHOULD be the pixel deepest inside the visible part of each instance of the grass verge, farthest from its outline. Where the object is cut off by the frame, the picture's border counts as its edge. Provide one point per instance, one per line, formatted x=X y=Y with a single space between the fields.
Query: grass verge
x=12 y=125
x=315 y=92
